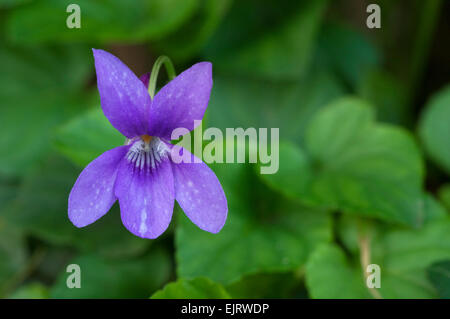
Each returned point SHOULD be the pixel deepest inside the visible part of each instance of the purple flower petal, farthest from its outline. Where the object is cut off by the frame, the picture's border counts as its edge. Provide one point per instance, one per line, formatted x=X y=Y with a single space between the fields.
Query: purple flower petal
x=93 y=193
x=124 y=98
x=181 y=101
x=145 y=78
x=146 y=198
x=200 y=195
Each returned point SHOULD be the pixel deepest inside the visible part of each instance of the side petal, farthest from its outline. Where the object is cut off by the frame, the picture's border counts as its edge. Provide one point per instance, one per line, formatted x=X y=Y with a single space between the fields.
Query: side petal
x=93 y=193
x=124 y=98
x=146 y=198
x=181 y=101
x=200 y=195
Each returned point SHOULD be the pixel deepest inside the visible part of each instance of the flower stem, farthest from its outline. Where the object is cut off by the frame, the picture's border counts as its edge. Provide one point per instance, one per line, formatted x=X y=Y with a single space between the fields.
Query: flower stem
x=163 y=59
x=365 y=255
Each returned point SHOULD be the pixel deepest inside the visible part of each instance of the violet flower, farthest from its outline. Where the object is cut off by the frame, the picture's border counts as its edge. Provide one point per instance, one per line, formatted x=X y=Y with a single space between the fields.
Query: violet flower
x=141 y=174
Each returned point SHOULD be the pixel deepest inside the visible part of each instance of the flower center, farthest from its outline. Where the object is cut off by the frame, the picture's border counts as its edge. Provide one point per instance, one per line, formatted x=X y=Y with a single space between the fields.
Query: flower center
x=147 y=152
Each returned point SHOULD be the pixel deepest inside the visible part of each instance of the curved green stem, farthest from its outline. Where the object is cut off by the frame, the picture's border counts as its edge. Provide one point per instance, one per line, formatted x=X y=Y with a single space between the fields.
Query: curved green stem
x=155 y=71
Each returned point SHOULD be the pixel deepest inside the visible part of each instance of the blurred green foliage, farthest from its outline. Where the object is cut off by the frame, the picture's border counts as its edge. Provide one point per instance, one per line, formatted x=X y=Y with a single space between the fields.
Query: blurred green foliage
x=198 y=288
x=364 y=160
x=435 y=129
x=439 y=275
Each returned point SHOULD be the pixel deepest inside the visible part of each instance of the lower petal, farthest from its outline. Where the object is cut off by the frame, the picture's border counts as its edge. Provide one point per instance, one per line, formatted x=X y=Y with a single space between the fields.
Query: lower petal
x=93 y=193
x=146 y=198
x=200 y=195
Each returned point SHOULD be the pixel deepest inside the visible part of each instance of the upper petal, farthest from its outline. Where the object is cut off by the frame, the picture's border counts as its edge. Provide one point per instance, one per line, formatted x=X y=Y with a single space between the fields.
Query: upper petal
x=200 y=195
x=124 y=98
x=93 y=193
x=181 y=101
x=146 y=198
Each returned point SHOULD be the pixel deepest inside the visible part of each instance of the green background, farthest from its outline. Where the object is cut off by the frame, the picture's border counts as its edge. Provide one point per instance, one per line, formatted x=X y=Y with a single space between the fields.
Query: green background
x=364 y=119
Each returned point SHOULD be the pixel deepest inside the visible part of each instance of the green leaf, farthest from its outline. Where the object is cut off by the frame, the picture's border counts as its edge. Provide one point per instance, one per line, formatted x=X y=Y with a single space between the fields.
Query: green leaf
x=274 y=41
x=354 y=164
x=12 y=242
x=37 y=95
x=444 y=195
x=295 y=163
x=87 y=136
x=407 y=254
x=8 y=190
x=268 y=285
x=433 y=209
x=33 y=290
x=11 y=3
x=42 y=70
x=112 y=20
x=41 y=209
x=12 y=252
x=434 y=128
x=30 y=128
x=190 y=38
x=102 y=278
x=387 y=94
x=330 y=275
x=402 y=254
x=439 y=275
x=242 y=102
x=348 y=53
x=261 y=234
x=348 y=226
x=198 y=288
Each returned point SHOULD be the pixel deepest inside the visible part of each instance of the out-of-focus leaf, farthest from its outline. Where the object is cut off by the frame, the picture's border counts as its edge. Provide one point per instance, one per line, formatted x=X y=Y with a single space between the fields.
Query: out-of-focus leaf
x=31 y=291
x=405 y=256
x=433 y=209
x=11 y=3
x=261 y=234
x=197 y=288
x=192 y=36
x=402 y=254
x=87 y=136
x=28 y=125
x=354 y=164
x=294 y=175
x=267 y=285
x=330 y=275
x=41 y=208
x=434 y=128
x=12 y=252
x=12 y=243
x=31 y=70
x=112 y=20
x=387 y=94
x=102 y=278
x=439 y=275
x=54 y=259
x=348 y=53
x=241 y=102
x=269 y=41
x=347 y=225
x=8 y=190
x=444 y=195
x=39 y=91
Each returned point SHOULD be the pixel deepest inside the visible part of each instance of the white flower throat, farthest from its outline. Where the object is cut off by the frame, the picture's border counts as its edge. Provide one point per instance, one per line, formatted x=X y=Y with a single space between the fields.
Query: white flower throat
x=147 y=152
